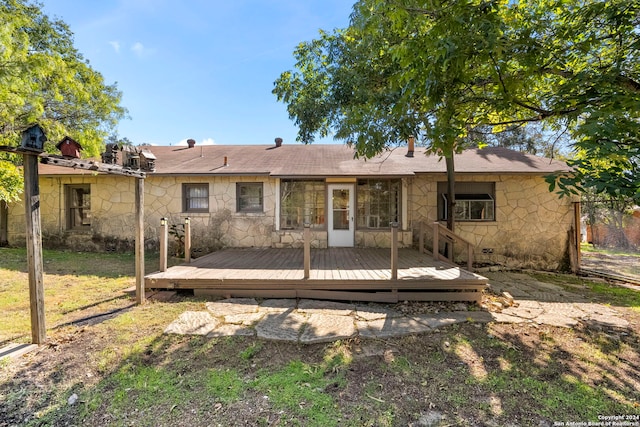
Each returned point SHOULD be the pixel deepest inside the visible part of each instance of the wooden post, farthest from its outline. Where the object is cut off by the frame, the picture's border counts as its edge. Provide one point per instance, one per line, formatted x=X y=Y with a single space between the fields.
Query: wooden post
x=469 y=257
x=421 y=237
x=139 y=195
x=394 y=250
x=307 y=250
x=34 y=248
x=4 y=223
x=436 y=240
x=577 y=225
x=164 y=244
x=187 y=240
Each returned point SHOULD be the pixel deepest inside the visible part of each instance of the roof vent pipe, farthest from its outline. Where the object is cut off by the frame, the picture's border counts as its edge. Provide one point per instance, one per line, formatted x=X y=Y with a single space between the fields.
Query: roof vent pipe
x=278 y=142
x=191 y=143
x=411 y=146
x=226 y=161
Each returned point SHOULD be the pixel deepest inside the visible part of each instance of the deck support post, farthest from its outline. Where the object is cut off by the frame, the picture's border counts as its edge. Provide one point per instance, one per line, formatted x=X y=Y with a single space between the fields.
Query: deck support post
x=34 y=248
x=307 y=250
x=187 y=240
x=139 y=249
x=394 y=250
x=421 y=238
x=164 y=244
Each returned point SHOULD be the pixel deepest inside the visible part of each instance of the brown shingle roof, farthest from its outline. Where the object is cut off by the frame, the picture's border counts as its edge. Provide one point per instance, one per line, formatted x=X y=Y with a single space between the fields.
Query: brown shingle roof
x=317 y=160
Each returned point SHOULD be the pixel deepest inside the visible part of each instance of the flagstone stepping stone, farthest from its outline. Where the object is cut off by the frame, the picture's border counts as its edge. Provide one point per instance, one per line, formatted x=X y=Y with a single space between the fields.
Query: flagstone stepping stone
x=325 y=307
x=365 y=312
x=193 y=323
x=281 y=326
x=231 y=331
x=327 y=328
x=231 y=306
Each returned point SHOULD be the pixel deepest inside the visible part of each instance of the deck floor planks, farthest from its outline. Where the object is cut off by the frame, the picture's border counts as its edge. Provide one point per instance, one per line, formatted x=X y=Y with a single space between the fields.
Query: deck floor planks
x=331 y=269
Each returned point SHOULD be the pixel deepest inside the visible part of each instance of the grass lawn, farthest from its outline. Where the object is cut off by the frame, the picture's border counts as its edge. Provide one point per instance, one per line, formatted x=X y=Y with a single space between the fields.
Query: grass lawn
x=121 y=369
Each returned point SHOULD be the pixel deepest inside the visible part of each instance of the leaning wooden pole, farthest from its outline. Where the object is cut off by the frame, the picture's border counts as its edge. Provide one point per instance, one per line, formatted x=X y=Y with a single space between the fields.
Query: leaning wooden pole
x=34 y=248
x=139 y=194
x=577 y=224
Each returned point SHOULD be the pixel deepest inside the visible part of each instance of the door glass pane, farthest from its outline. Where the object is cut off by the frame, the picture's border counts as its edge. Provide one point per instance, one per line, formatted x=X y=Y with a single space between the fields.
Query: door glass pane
x=340 y=209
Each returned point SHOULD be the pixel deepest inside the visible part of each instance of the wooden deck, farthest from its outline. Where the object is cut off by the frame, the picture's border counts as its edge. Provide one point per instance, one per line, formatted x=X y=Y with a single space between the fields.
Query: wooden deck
x=336 y=273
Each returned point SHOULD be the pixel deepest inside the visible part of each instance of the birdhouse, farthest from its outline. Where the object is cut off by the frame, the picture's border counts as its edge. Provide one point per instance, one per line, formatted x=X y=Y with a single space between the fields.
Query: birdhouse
x=33 y=138
x=110 y=156
x=69 y=147
x=147 y=160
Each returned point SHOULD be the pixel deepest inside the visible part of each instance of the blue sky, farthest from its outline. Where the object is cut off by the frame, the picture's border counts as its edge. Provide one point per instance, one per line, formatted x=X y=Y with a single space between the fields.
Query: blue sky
x=196 y=68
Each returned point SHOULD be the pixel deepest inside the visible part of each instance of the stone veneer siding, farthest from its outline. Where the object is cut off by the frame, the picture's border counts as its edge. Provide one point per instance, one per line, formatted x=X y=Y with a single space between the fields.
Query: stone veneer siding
x=530 y=229
x=113 y=213
x=531 y=225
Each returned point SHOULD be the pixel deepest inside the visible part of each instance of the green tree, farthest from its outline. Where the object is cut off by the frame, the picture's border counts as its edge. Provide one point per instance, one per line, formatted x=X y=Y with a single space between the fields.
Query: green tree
x=44 y=79
x=400 y=69
x=440 y=69
x=579 y=62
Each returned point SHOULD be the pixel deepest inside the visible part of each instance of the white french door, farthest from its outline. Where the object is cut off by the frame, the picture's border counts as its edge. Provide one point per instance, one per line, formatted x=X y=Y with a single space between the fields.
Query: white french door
x=341 y=214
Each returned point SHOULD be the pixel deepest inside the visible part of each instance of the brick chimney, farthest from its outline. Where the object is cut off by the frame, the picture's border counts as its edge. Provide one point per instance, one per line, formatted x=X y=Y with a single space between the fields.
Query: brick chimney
x=411 y=146
x=191 y=143
x=278 y=142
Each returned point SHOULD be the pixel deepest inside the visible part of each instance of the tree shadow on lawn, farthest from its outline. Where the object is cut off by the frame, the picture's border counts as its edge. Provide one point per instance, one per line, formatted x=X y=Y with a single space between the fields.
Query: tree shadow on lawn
x=466 y=374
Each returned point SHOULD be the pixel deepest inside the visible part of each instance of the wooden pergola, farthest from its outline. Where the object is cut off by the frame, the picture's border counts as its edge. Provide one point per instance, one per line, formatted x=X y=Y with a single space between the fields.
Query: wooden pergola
x=31 y=150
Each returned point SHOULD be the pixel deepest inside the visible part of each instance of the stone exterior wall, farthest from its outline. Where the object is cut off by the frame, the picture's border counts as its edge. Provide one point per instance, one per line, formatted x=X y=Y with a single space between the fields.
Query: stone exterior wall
x=113 y=213
x=530 y=229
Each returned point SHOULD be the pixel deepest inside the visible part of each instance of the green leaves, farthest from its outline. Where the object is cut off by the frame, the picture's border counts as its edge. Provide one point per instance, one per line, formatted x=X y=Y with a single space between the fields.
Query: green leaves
x=44 y=79
x=442 y=69
x=11 y=180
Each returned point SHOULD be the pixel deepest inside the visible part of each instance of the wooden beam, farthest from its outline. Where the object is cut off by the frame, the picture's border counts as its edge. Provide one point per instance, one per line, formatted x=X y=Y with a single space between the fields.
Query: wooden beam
x=90 y=165
x=34 y=248
x=139 y=196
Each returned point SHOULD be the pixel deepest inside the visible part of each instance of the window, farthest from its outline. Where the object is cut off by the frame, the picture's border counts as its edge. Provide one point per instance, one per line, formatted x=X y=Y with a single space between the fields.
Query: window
x=474 y=201
x=78 y=203
x=249 y=197
x=302 y=202
x=195 y=197
x=378 y=202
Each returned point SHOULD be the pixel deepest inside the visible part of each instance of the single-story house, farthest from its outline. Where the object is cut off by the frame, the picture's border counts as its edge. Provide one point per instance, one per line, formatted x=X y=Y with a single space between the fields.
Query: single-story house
x=261 y=196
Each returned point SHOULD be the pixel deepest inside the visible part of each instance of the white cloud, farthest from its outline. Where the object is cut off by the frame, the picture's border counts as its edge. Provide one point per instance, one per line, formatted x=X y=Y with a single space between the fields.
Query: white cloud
x=138 y=48
x=206 y=141
x=115 y=45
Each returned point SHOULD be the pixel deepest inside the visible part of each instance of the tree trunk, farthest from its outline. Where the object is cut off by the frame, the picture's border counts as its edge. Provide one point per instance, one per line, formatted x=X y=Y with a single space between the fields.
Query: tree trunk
x=451 y=192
